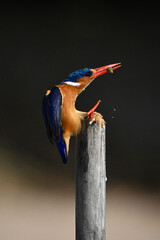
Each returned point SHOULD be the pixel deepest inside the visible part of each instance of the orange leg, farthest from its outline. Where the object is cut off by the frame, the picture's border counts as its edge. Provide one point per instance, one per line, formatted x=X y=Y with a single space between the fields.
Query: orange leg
x=90 y=113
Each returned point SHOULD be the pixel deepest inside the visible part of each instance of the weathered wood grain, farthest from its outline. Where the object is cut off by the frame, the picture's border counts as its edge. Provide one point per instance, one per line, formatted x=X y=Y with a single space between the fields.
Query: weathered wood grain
x=91 y=183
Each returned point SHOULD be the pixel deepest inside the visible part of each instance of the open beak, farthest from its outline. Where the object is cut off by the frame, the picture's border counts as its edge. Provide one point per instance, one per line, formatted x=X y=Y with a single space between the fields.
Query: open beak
x=105 y=69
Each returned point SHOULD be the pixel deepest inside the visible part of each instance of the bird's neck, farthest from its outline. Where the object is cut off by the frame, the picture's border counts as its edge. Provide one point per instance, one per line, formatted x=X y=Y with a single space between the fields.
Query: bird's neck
x=69 y=94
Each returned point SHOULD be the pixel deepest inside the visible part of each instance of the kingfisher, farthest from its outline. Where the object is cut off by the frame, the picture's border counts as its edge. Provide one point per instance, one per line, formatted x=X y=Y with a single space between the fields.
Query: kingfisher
x=61 y=119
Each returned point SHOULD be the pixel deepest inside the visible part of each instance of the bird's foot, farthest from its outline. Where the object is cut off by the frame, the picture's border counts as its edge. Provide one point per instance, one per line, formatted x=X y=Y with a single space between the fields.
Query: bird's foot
x=94 y=116
x=97 y=117
x=90 y=113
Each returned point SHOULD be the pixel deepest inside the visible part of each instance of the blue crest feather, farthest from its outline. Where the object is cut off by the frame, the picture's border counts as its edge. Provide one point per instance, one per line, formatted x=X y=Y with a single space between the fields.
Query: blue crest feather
x=74 y=76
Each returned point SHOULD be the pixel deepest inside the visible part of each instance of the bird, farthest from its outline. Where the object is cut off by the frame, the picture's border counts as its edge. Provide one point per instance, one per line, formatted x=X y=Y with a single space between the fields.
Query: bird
x=61 y=119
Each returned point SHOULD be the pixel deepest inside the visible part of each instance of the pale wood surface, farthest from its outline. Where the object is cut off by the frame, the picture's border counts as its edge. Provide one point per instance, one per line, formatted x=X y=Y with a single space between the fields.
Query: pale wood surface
x=91 y=183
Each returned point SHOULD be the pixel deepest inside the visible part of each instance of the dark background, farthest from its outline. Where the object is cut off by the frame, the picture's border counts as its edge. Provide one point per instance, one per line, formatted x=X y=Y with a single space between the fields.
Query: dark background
x=39 y=46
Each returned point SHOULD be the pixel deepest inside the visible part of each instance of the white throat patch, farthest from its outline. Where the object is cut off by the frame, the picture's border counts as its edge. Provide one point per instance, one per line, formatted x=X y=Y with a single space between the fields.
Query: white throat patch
x=72 y=83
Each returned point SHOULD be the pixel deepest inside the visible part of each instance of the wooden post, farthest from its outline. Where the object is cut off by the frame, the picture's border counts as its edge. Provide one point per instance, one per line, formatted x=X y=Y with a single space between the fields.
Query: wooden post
x=91 y=183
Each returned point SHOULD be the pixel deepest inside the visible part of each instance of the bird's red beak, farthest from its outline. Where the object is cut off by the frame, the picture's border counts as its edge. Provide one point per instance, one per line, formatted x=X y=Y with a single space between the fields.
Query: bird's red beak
x=105 y=69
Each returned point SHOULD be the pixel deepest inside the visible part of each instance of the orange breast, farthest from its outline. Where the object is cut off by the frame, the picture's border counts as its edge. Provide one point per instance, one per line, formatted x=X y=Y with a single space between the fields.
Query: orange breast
x=71 y=120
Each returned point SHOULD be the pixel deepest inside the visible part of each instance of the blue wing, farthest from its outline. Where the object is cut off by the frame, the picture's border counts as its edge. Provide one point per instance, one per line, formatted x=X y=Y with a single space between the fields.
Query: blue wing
x=52 y=111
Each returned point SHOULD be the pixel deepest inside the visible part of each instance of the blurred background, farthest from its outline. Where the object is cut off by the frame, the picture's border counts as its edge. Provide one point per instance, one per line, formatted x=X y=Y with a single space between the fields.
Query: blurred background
x=39 y=46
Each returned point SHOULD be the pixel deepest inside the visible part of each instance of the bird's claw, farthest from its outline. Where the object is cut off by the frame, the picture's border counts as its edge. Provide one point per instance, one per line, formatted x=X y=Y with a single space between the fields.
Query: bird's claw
x=97 y=117
x=92 y=121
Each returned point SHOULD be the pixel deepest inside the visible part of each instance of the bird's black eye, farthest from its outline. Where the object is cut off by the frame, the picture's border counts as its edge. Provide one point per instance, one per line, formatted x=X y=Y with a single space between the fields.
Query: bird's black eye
x=88 y=73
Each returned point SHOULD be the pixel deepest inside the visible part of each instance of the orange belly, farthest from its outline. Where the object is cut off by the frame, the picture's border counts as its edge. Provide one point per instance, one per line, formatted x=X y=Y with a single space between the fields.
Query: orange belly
x=71 y=121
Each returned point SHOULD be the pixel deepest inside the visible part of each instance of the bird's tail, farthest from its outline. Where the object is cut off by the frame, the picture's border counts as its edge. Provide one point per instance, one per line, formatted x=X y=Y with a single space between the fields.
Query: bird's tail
x=62 y=148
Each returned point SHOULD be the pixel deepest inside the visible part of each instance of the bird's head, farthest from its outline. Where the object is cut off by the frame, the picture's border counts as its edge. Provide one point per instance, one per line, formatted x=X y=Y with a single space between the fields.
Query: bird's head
x=80 y=79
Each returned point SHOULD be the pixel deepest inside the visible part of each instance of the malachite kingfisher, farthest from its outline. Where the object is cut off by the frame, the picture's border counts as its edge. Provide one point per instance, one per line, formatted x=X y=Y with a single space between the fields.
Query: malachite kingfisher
x=61 y=118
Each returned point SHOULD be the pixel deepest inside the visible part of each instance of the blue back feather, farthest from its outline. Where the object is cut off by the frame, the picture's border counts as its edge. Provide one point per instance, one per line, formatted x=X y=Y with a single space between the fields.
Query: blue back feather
x=62 y=148
x=52 y=109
